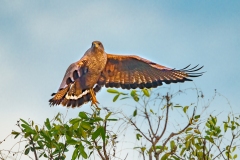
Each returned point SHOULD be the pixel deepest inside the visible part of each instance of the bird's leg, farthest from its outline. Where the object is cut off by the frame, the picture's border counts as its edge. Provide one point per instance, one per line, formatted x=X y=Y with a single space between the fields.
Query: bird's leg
x=93 y=98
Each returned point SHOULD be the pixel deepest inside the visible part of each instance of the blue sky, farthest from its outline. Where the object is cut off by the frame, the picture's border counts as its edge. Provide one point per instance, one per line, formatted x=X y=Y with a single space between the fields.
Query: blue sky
x=39 y=39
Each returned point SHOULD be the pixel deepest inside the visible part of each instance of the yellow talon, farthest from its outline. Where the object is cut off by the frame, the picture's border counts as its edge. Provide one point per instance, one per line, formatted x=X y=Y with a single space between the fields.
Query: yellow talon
x=94 y=99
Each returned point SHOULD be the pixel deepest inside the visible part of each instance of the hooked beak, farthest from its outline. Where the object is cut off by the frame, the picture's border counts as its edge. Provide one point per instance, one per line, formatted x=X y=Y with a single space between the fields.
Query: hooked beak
x=95 y=44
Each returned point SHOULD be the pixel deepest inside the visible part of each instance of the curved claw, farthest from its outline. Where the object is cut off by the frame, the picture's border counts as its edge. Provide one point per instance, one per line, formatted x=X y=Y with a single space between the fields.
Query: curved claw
x=94 y=99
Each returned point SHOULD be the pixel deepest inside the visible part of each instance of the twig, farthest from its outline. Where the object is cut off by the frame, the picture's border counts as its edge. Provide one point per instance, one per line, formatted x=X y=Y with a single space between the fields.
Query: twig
x=174 y=134
x=139 y=130
x=230 y=146
x=104 y=145
x=100 y=154
x=149 y=123
x=159 y=119
x=219 y=154
x=34 y=150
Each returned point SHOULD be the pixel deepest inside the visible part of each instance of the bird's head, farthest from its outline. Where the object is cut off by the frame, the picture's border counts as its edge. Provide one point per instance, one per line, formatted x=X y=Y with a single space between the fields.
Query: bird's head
x=97 y=45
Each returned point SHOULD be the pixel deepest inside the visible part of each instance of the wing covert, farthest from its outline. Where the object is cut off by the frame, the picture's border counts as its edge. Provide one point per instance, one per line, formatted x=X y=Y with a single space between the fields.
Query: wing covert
x=135 y=72
x=74 y=71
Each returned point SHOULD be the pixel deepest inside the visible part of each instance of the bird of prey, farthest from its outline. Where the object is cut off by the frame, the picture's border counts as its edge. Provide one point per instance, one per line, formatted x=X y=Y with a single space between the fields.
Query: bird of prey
x=84 y=78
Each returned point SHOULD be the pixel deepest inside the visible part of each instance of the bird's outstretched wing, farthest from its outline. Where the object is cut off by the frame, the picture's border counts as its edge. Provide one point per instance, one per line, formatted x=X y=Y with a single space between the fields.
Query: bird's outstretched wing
x=135 y=72
x=71 y=91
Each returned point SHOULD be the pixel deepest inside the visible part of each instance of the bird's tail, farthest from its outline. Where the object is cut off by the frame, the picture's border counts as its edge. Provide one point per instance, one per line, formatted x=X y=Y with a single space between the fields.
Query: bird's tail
x=72 y=95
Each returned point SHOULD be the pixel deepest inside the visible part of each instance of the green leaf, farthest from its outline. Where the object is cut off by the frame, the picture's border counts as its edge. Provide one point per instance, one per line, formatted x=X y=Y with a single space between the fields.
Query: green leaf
x=143 y=149
x=36 y=128
x=225 y=127
x=15 y=133
x=112 y=91
x=210 y=139
x=135 y=113
x=172 y=145
x=99 y=147
x=108 y=115
x=188 y=137
x=197 y=116
x=188 y=144
x=40 y=143
x=56 y=146
x=24 y=122
x=235 y=156
x=16 y=136
x=123 y=93
x=82 y=152
x=188 y=129
x=145 y=92
x=138 y=136
x=165 y=156
x=152 y=111
x=84 y=134
x=103 y=133
x=75 y=153
x=214 y=120
x=85 y=125
x=57 y=116
x=159 y=147
x=56 y=151
x=26 y=126
x=96 y=133
x=45 y=135
x=197 y=131
x=124 y=98
x=208 y=125
x=233 y=149
x=116 y=97
x=75 y=120
x=133 y=93
x=28 y=129
x=198 y=146
x=112 y=119
x=27 y=151
x=177 y=106
x=185 y=109
x=136 y=98
x=35 y=137
x=83 y=115
x=183 y=150
x=72 y=141
x=47 y=124
x=96 y=119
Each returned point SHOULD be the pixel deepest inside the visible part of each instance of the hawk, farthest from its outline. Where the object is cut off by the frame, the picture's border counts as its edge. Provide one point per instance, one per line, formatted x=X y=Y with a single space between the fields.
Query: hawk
x=84 y=78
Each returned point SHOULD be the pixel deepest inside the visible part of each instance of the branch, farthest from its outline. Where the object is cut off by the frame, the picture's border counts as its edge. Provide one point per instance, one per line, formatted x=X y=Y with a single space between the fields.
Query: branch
x=149 y=123
x=34 y=150
x=166 y=120
x=104 y=145
x=164 y=129
x=159 y=119
x=139 y=129
x=233 y=136
x=219 y=154
x=174 y=134
x=100 y=154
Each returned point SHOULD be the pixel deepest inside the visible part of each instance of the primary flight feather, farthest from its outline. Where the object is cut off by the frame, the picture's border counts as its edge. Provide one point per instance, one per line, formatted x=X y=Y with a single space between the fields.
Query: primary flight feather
x=84 y=78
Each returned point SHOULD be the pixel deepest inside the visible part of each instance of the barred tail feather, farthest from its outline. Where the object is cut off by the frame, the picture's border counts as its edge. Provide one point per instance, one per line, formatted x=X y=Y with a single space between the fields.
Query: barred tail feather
x=71 y=100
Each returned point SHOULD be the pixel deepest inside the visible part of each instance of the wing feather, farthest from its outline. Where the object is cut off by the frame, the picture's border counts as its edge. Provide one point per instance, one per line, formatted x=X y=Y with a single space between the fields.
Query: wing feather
x=135 y=72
